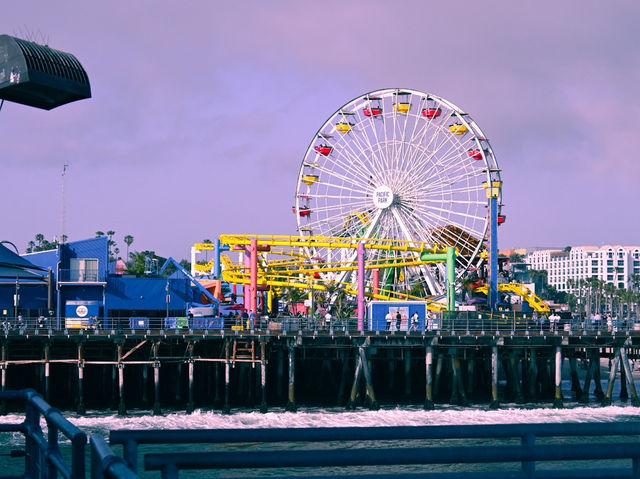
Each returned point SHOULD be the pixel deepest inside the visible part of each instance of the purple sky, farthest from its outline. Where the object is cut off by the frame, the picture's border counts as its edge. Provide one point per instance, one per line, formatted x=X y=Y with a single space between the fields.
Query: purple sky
x=201 y=114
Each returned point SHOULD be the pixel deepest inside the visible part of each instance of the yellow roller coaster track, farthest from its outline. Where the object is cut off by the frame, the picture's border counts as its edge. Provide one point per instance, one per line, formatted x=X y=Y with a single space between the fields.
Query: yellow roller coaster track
x=325 y=242
x=521 y=290
x=304 y=279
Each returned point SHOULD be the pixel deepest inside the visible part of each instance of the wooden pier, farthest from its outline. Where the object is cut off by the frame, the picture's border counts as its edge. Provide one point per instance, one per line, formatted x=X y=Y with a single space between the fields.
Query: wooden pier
x=224 y=369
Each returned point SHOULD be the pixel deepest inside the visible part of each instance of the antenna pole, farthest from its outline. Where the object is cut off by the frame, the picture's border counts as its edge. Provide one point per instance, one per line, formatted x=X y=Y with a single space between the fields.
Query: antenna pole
x=64 y=172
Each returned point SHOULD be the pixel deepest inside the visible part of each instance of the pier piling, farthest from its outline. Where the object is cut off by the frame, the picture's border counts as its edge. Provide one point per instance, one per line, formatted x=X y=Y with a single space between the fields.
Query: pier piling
x=627 y=369
x=428 y=362
x=606 y=401
x=122 y=410
x=80 y=405
x=226 y=409
x=557 y=398
x=291 y=396
x=263 y=376
x=495 y=403
x=156 y=379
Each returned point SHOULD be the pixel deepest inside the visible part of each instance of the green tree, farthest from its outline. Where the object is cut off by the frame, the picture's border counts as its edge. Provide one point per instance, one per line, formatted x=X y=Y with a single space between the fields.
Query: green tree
x=516 y=258
x=41 y=244
x=128 y=241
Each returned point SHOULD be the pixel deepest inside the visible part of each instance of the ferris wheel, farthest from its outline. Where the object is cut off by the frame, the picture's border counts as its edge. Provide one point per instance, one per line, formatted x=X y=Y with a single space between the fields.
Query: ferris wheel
x=399 y=164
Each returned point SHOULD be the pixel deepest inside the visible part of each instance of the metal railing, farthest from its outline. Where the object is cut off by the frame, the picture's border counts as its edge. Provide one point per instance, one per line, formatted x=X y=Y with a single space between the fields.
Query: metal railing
x=42 y=453
x=347 y=451
x=446 y=323
x=43 y=457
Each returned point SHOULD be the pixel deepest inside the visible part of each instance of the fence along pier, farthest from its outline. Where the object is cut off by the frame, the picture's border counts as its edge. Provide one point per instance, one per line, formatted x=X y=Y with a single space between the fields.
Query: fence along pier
x=309 y=363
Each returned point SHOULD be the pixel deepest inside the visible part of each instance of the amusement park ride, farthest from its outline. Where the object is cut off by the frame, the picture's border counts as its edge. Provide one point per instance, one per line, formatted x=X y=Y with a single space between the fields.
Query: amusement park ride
x=398 y=197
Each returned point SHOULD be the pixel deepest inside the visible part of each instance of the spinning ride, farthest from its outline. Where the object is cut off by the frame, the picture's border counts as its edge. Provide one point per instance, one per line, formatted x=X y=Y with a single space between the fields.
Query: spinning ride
x=400 y=165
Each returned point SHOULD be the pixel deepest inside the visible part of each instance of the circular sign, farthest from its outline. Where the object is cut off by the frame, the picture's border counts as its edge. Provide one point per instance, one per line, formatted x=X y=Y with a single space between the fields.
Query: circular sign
x=382 y=197
x=82 y=311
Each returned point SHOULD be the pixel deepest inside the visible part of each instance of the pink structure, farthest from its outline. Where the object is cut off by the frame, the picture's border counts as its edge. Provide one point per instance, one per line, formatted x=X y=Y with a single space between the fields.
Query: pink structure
x=361 y=287
x=376 y=281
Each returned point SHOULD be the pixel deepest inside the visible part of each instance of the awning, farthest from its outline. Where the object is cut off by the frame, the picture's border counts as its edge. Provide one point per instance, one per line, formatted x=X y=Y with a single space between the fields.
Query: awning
x=7 y=272
x=11 y=259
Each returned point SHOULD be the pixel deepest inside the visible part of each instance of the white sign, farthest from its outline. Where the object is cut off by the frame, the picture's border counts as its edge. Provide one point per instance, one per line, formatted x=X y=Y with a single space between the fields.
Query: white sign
x=82 y=311
x=382 y=197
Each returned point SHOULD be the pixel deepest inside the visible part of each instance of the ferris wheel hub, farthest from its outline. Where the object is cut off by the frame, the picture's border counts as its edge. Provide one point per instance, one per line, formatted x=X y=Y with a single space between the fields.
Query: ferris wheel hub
x=383 y=197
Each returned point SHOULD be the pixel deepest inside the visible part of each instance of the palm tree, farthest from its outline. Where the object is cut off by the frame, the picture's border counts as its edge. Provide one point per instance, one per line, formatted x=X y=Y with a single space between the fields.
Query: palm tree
x=610 y=292
x=129 y=241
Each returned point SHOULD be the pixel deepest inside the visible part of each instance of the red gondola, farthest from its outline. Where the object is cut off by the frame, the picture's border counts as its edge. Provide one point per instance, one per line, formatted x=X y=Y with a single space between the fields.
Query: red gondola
x=501 y=219
x=373 y=112
x=304 y=211
x=324 y=150
x=432 y=113
x=475 y=153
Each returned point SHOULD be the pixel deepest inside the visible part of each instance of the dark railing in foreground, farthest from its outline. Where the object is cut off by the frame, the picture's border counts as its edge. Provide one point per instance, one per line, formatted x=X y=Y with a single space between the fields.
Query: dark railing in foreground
x=528 y=453
x=43 y=458
x=42 y=452
x=351 y=447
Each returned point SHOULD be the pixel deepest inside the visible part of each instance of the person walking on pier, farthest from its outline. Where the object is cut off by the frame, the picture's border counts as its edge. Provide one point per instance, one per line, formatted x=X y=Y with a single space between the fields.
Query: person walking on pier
x=415 y=321
x=389 y=320
x=398 y=321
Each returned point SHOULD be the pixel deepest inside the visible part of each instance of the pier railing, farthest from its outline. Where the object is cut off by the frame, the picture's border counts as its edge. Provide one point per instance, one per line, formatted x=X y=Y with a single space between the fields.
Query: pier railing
x=43 y=457
x=445 y=323
x=416 y=446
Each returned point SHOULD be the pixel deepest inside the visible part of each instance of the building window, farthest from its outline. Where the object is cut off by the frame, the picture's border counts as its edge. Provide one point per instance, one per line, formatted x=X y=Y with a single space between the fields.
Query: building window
x=83 y=270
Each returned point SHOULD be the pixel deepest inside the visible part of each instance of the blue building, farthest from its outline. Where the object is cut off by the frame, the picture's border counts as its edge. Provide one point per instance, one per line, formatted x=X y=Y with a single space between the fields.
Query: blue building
x=76 y=286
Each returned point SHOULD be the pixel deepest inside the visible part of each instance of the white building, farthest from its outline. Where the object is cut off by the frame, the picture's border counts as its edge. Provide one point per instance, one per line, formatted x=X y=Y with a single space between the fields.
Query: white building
x=611 y=264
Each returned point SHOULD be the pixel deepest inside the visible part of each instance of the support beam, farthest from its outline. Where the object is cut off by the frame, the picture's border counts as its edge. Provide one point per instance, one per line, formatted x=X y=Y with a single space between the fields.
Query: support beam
x=606 y=401
x=407 y=372
x=353 y=397
x=263 y=376
x=190 y=367
x=373 y=403
x=361 y=285
x=584 y=398
x=145 y=384
x=217 y=400
x=532 y=375
x=495 y=404
x=47 y=397
x=253 y=289
x=190 y=364
x=597 y=376
x=557 y=397
x=80 y=404
x=428 y=364
x=458 y=395
x=516 y=378
x=627 y=369
x=3 y=385
x=291 y=391
x=122 y=410
x=226 y=409
x=156 y=380
x=575 y=380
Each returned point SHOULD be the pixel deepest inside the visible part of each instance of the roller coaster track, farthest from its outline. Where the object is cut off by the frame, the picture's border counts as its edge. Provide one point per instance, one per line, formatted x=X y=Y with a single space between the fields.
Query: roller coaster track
x=301 y=270
x=536 y=303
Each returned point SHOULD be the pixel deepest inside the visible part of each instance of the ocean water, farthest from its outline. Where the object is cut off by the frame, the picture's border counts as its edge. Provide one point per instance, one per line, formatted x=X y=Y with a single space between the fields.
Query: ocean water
x=100 y=422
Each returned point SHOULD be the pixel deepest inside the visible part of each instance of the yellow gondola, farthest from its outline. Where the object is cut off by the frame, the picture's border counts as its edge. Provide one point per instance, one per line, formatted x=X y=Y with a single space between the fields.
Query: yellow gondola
x=458 y=129
x=344 y=127
x=310 y=179
x=402 y=108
